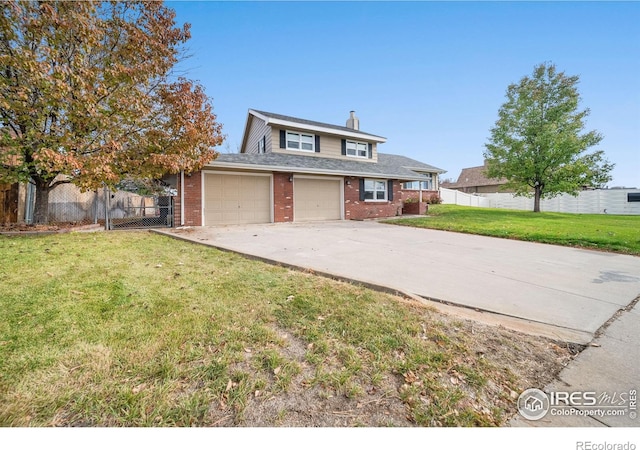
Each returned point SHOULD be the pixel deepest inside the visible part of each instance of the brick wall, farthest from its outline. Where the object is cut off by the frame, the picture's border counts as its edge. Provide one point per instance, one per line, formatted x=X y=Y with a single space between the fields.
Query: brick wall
x=192 y=200
x=354 y=209
x=282 y=197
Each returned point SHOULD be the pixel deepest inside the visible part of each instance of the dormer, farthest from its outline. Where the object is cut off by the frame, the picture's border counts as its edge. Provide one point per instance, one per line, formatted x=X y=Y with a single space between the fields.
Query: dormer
x=275 y=133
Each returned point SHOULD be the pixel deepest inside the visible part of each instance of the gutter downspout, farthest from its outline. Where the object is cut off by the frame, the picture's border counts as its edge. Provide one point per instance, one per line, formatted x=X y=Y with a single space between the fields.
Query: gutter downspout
x=182 y=198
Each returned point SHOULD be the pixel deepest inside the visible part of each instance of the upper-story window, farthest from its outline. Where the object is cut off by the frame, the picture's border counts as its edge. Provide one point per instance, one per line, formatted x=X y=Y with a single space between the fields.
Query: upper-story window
x=262 y=144
x=357 y=149
x=300 y=141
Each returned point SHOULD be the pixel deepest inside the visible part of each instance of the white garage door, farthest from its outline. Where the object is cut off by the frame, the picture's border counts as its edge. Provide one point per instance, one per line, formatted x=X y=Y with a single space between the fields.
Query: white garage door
x=236 y=199
x=316 y=199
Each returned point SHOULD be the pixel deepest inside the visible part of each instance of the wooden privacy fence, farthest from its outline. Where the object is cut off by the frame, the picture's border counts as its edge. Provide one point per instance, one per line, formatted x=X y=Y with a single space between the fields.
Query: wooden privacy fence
x=8 y=203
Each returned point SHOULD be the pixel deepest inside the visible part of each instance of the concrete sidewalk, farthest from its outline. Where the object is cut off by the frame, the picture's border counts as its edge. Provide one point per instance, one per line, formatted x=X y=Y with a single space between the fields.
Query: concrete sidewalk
x=608 y=366
x=559 y=292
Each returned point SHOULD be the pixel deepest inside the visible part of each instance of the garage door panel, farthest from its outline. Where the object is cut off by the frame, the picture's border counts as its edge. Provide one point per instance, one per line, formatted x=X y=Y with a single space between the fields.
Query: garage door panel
x=237 y=199
x=229 y=217
x=228 y=205
x=317 y=199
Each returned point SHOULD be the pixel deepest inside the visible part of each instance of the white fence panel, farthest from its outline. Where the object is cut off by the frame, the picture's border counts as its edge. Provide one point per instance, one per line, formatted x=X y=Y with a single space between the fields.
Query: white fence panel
x=453 y=197
x=509 y=201
x=600 y=201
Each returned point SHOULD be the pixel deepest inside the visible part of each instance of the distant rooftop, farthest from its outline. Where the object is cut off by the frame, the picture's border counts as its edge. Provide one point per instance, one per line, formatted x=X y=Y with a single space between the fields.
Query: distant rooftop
x=475 y=176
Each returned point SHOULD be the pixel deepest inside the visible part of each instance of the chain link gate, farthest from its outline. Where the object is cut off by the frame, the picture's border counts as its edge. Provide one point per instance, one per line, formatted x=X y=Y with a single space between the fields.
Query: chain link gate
x=116 y=209
x=125 y=211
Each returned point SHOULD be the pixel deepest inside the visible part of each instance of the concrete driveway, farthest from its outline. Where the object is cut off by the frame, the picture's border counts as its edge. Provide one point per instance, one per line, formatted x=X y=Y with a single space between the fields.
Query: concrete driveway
x=564 y=292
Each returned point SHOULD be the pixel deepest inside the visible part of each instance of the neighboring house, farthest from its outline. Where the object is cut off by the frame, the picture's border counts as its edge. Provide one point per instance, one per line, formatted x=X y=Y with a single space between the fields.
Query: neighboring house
x=296 y=170
x=474 y=180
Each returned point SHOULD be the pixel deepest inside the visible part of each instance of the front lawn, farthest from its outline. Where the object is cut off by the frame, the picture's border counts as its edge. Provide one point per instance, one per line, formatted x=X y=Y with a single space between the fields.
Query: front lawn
x=619 y=234
x=137 y=329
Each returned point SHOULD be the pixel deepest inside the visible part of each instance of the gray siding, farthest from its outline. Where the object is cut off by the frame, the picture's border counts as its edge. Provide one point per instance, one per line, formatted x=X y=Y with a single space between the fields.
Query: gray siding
x=257 y=129
x=330 y=146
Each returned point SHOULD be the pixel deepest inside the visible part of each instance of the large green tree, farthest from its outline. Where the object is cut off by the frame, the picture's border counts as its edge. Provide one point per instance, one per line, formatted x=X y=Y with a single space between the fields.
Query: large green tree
x=538 y=144
x=88 y=96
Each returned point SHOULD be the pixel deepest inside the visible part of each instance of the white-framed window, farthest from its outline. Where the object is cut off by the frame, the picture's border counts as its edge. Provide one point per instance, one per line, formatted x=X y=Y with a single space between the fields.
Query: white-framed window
x=261 y=144
x=357 y=149
x=426 y=185
x=300 y=141
x=375 y=190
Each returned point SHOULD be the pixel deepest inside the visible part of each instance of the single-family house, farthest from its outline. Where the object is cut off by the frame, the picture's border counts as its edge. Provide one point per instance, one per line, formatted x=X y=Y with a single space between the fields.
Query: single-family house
x=295 y=170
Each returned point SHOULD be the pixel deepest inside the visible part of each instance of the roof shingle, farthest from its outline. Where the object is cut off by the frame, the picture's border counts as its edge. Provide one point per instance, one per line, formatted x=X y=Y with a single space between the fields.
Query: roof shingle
x=388 y=166
x=475 y=176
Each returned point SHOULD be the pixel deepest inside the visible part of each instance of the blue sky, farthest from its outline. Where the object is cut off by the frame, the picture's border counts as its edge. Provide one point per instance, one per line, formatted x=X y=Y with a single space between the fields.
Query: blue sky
x=429 y=76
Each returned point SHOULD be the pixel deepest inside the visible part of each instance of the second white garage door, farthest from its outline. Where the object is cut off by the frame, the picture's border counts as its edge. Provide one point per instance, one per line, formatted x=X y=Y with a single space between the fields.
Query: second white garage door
x=236 y=199
x=317 y=199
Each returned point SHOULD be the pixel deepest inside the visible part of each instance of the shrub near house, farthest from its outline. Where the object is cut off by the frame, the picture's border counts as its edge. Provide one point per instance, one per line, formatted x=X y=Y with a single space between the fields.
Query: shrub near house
x=412 y=205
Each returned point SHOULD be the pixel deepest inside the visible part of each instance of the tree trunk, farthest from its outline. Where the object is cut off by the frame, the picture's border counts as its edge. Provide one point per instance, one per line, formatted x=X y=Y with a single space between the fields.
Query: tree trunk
x=41 y=211
x=536 y=199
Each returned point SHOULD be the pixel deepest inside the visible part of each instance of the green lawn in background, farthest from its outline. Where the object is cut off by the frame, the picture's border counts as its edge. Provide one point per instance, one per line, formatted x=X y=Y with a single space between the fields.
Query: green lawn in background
x=612 y=233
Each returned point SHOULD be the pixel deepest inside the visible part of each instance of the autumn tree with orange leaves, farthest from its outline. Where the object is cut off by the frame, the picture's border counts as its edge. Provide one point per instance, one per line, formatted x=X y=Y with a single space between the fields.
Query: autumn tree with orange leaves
x=87 y=96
